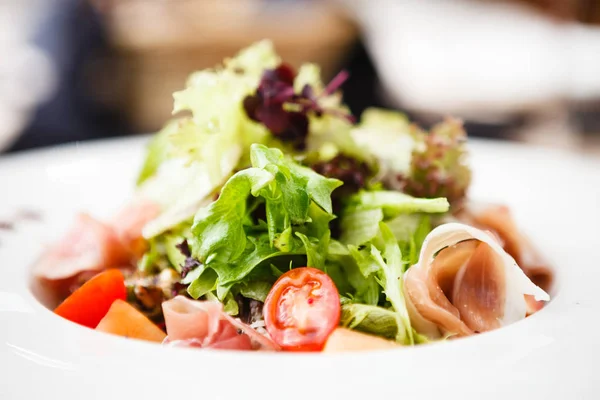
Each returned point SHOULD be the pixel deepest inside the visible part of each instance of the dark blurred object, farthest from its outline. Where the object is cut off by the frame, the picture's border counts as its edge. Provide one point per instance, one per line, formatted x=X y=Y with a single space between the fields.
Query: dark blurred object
x=119 y=61
x=72 y=36
x=584 y=11
x=363 y=88
x=586 y=117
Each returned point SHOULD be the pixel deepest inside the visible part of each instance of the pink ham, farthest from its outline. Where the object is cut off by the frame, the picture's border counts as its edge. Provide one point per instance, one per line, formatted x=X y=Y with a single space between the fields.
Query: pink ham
x=203 y=324
x=466 y=283
x=499 y=220
x=89 y=245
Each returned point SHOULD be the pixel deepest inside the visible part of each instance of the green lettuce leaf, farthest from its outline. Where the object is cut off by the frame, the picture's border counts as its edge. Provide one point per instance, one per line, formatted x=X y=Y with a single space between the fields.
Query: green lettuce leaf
x=219 y=125
x=256 y=290
x=298 y=184
x=356 y=272
x=388 y=136
x=390 y=279
x=393 y=203
x=174 y=255
x=370 y=319
x=298 y=210
x=218 y=230
x=316 y=250
x=257 y=252
x=206 y=282
x=359 y=225
x=157 y=151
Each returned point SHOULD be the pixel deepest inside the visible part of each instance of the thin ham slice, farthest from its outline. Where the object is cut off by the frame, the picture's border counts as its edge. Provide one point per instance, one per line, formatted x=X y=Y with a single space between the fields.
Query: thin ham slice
x=465 y=283
x=89 y=246
x=92 y=246
x=203 y=324
x=498 y=219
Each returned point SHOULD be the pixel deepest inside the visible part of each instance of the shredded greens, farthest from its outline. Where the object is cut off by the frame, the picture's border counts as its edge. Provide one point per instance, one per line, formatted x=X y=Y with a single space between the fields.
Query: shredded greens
x=242 y=202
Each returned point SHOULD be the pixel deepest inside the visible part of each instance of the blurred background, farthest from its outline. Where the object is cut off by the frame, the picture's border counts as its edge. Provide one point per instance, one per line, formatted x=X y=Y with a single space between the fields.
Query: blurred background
x=524 y=70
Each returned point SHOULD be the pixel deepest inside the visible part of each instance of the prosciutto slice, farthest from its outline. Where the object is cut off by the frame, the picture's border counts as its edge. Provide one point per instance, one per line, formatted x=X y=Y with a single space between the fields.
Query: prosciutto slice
x=465 y=283
x=89 y=246
x=203 y=324
x=498 y=219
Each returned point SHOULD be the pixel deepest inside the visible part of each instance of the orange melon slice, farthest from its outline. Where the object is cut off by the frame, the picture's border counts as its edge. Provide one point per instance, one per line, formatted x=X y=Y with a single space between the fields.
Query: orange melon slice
x=125 y=320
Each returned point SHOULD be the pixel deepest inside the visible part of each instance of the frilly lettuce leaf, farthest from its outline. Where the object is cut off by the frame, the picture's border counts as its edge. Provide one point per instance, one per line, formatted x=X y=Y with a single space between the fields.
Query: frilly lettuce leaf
x=214 y=97
x=316 y=250
x=390 y=278
x=393 y=203
x=218 y=231
x=387 y=135
x=297 y=204
x=359 y=226
x=438 y=167
x=309 y=74
x=384 y=265
x=253 y=60
x=157 y=151
x=257 y=251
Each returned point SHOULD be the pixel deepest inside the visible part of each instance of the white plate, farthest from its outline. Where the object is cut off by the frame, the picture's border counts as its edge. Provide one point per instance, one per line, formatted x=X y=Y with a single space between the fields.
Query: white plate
x=555 y=197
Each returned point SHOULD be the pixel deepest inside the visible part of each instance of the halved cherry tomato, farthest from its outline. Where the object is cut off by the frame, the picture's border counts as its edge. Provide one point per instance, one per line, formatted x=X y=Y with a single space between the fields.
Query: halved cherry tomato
x=302 y=309
x=90 y=303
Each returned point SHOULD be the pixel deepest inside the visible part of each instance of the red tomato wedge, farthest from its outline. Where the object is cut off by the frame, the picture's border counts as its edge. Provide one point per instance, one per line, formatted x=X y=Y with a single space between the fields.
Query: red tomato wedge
x=90 y=303
x=302 y=309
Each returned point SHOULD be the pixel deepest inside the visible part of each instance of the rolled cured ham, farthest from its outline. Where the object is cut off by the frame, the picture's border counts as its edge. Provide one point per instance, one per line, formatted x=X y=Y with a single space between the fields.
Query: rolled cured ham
x=203 y=324
x=466 y=283
x=499 y=220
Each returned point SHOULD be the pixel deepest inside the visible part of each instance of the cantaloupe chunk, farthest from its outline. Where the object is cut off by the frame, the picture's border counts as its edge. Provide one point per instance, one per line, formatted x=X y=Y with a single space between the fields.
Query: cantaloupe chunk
x=124 y=320
x=342 y=339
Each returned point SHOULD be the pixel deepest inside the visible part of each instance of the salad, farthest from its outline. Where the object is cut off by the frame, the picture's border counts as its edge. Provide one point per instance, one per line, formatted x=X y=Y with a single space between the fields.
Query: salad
x=267 y=217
